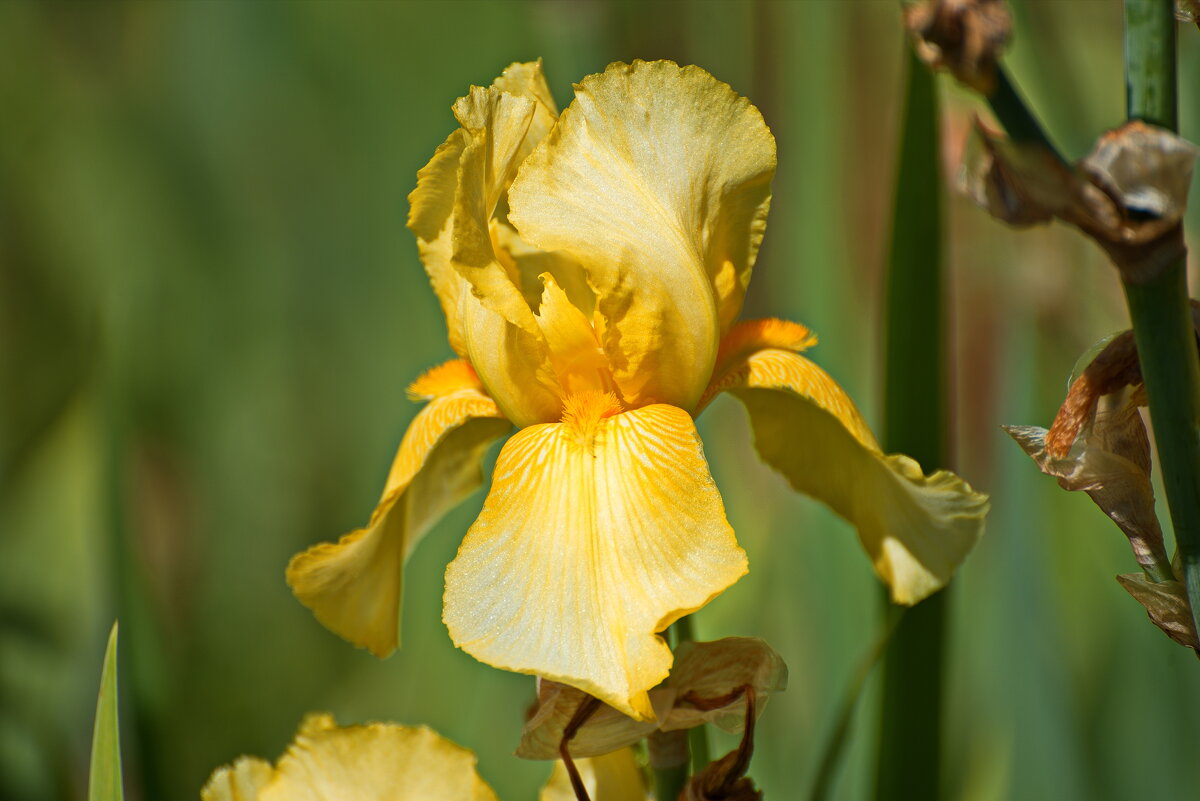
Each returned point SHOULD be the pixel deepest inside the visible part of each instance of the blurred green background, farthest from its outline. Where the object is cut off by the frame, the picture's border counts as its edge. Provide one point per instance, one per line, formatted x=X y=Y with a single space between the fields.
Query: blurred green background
x=210 y=309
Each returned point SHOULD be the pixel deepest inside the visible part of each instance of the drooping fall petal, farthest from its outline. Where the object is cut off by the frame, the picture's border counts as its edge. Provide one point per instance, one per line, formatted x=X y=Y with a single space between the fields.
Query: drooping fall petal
x=612 y=777
x=598 y=532
x=657 y=180
x=373 y=762
x=354 y=586
x=915 y=528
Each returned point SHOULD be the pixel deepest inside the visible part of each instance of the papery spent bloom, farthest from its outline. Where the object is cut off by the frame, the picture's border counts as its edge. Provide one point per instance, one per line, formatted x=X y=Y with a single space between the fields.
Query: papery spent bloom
x=591 y=267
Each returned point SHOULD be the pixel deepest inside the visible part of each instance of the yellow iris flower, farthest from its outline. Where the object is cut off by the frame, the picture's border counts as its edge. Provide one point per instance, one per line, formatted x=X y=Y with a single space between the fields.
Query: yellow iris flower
x=371 y=762
x=591 y=267
x=392 y=762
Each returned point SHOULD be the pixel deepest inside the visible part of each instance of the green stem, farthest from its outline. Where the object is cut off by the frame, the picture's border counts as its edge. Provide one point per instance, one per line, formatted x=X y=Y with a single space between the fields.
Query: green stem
x=669 y=763
x=681 y=632
x=1158 y=307
x=1150 y=83
x=831 y=754
x=1015 y=116
x=1166 y=342
x=914 y=417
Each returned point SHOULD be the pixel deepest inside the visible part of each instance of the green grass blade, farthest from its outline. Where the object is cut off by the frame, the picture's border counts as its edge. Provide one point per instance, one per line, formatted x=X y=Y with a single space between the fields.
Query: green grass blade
x=104 y=783
x=909 y=763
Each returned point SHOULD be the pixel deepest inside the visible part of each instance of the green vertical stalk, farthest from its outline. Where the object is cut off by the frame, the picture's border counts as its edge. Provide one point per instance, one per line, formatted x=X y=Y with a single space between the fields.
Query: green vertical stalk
x=914 y=418
x=1158 y=307
x=681 y=632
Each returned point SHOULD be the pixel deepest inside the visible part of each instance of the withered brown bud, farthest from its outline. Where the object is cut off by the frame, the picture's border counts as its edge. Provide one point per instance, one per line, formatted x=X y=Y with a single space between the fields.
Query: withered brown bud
x=963 y=36
x=1020 y=184
x=1129 y=194
x=1188 y=11
x=721 y=782
x=1145 y=173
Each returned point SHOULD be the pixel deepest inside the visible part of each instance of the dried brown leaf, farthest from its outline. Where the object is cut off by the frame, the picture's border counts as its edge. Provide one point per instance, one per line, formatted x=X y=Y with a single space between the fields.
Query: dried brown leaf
x=1167 y=606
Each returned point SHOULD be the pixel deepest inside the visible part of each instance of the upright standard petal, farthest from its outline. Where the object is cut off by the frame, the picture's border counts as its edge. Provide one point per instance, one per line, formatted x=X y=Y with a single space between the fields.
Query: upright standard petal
x=475 y=261
x=657 y=180
x=431 y=206
x=598 y=532
x=374 y=762
x=354 y=586
x=917 y=529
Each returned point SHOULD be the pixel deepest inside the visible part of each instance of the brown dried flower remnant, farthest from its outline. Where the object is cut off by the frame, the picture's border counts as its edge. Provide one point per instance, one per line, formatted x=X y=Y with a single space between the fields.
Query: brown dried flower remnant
x=963 y=36
x=725 y=779
x=1188 y=11
x=703 y=688
x=1098 y=444
x=1167 y=606
x=1129 y=194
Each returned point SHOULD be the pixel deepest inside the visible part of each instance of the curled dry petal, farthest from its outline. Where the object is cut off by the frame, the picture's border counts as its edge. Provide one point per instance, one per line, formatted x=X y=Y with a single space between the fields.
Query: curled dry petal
x=1166 y=604
x=963 y=36
x=1112 y=369
x=1110 y=461
x=707 y=684
x=709 y=680
x=725 y=779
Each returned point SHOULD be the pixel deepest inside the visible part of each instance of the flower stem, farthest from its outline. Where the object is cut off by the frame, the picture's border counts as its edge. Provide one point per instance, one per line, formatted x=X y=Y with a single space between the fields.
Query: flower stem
x=1015 y=116
x=681 y=632
x=1158 y=307
x=668 y=753
x=914 y=417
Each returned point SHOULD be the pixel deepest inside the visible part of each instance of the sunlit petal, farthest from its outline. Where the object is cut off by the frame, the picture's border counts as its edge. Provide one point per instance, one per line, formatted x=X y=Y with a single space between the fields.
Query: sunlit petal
x=598 y=532
x=241 y=781
x=373 y=762
x=354 y=586
x=657 y=180
x=431 y=206
x=917 y=529
x=513 y=364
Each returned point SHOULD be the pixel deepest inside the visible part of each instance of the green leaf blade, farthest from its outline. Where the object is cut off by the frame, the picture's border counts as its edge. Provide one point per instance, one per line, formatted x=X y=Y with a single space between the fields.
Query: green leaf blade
x=104 y=782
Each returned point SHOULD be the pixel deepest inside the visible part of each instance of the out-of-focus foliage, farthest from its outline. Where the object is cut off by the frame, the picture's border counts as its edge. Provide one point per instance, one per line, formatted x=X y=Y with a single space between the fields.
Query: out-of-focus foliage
x=210 y=308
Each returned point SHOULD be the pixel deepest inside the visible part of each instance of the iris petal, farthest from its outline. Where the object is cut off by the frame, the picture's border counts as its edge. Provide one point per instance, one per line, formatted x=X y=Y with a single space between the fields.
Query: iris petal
x=373 y=762
x=354 y=586
x=598 y=532
x=916 y=529
x=657 y=180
